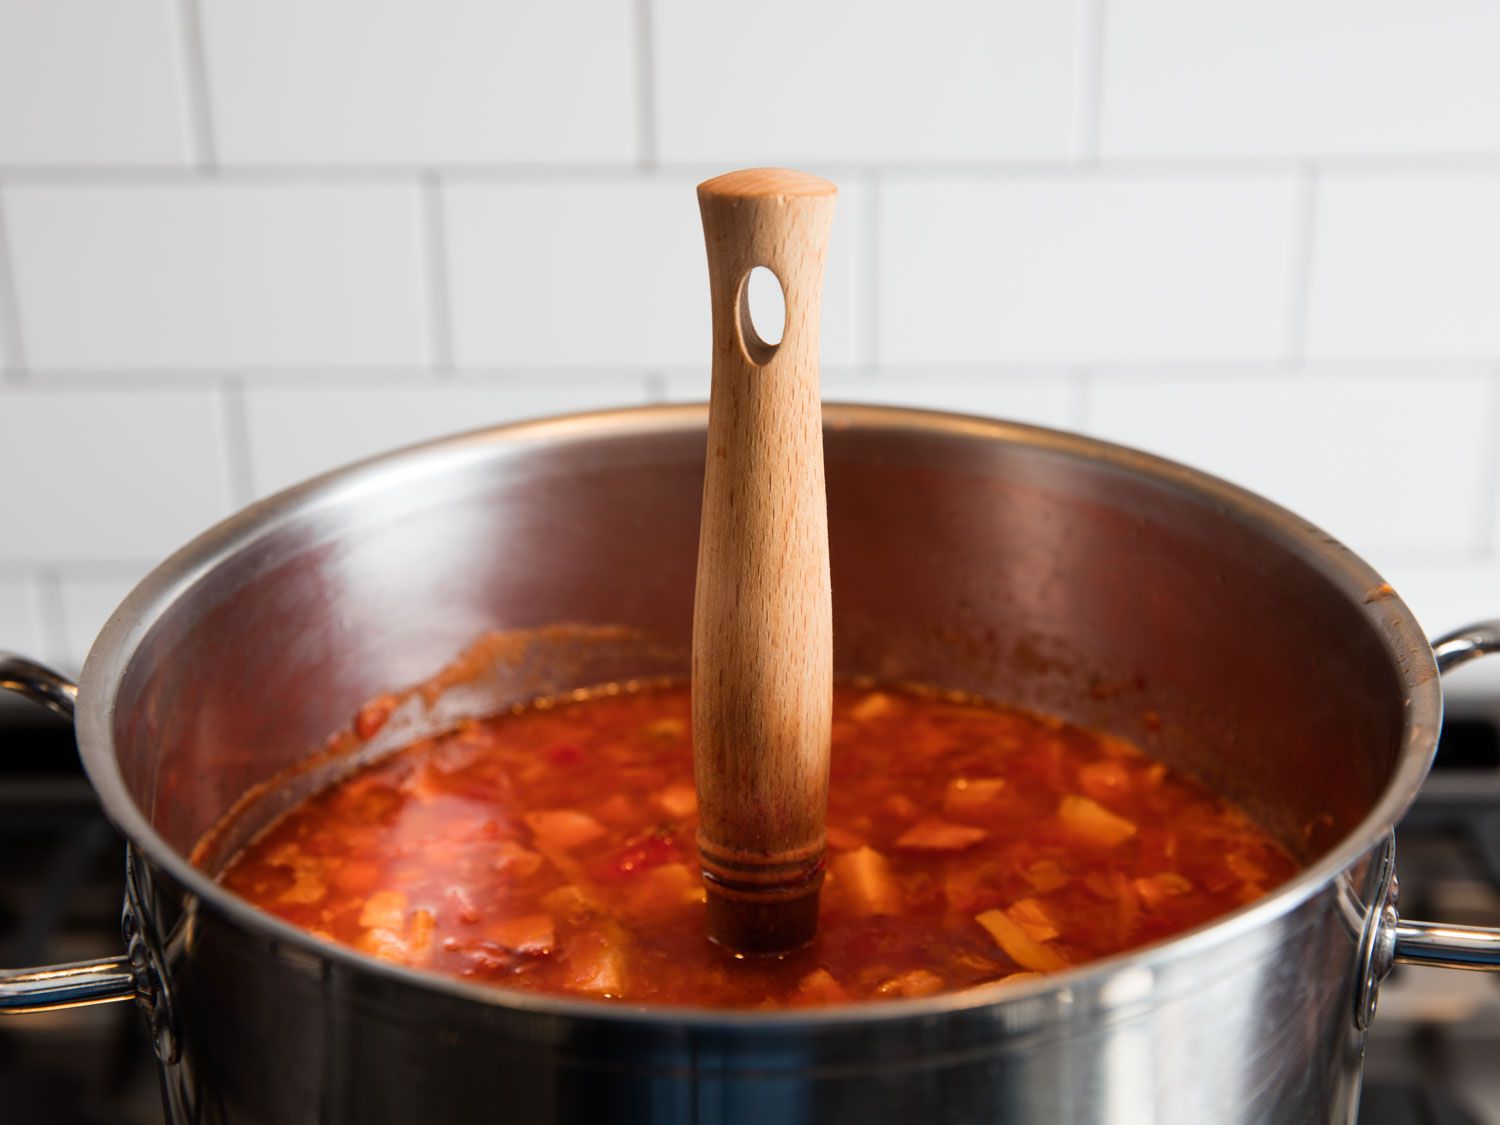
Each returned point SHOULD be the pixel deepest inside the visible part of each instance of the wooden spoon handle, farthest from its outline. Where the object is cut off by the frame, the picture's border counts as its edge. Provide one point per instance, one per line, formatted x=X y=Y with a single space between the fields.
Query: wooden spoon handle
x=762 y=618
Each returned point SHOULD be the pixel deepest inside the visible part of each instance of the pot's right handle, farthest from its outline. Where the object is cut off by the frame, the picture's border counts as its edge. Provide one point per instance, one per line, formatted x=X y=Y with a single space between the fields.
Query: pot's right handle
x=1435 y=943
x=84 y=982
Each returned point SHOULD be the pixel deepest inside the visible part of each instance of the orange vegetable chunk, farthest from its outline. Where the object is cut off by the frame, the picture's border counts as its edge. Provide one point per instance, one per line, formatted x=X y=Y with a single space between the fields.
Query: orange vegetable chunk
x=863 y=877
x=1087 y=821
x=563 y=828
x=679 y=800
x=1032 y=917
x=385 y=910
x=1018 y=946
x=940 y=836
x=530 y=934
x=973 y=796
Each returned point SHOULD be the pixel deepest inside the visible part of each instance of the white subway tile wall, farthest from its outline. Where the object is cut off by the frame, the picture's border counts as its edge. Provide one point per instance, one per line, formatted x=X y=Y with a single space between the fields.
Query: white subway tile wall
x=243 y=243
x=93 y=83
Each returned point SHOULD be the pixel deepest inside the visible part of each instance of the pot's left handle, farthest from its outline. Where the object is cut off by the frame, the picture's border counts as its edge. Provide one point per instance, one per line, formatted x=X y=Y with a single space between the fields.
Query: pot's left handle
x=82 y=982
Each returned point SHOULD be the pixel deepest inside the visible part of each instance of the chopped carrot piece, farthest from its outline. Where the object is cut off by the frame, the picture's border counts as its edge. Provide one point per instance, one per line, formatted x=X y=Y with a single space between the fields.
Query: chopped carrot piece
x=843 y=839
x=1104 y=779
x=1018 y=978
x=1156 y=889
x=1018 y=947
x=568 y=904
x=1090 y=822
x=918 y=982
x=819 y=987
x=677 y=882
x=940 y=836
x=1032 y=916
x=563 y=828
x=873 y=706
x=530 y=934
x=679 y=800
x=384 y=910
x=970 y=796
x=1046 y=875
x=863 y=877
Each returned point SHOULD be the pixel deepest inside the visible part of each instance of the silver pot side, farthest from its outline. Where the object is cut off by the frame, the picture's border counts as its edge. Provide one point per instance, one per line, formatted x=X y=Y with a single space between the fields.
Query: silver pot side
x=1230 y=638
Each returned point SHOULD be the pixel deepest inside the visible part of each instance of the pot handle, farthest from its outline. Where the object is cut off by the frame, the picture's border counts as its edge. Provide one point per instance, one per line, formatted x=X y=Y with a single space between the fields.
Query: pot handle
x=74 y=985
x=1435 y=943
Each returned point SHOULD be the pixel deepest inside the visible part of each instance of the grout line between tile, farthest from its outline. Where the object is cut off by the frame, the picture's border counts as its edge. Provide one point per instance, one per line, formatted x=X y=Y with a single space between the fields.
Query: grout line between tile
x=1091 y=80
x=435 y=268
x=237 y=442
x=12 y=353
x=1299 y=269
x=645 y=86
x=195 y=75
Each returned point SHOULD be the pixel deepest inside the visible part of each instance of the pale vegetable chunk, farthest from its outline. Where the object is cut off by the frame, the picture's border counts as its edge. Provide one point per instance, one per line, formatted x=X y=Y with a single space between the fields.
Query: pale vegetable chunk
x=970 y=796
x=1032 y=917
x=530 y=934
x=563 y=828
x=918 y=982
x=819 y=987
x=515 y=860
x=1090 y=822
x=1156 y=889
x=872 y=706
x=678 y=800
x=1018 y=946
x=864 y=877
x=597 y=968
x=385 y=910
x=940 y=836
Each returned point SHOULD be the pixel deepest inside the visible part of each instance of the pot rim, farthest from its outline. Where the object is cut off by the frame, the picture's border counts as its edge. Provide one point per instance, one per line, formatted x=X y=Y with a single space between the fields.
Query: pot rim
x=1406 y=646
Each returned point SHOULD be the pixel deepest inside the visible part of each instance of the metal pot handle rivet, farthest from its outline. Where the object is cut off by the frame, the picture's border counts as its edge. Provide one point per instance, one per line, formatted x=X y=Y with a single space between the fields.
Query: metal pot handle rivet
x=135 y=975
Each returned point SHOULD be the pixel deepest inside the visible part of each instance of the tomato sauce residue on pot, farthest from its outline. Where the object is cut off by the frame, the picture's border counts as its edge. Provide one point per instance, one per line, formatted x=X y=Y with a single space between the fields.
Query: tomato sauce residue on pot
x=552 y=850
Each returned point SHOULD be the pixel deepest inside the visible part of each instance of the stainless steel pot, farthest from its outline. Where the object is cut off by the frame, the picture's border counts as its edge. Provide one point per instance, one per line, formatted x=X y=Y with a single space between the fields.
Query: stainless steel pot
x=1231 y=638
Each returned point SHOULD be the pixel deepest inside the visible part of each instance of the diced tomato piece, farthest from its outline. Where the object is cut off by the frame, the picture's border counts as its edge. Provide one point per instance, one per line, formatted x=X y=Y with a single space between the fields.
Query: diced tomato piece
x=563 y=828
x=940 y=836
x=641 y=853
x=1088 y=821
x=863 y=878
x=1018 y=946
x=564 y=754
x=373 y=715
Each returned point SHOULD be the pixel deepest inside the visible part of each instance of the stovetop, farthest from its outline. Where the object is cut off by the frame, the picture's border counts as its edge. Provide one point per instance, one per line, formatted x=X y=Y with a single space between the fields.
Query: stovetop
x=1432 y=1051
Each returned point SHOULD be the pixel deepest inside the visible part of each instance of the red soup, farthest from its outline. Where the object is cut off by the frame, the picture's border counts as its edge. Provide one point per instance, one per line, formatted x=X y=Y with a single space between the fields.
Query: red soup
x=552 y=850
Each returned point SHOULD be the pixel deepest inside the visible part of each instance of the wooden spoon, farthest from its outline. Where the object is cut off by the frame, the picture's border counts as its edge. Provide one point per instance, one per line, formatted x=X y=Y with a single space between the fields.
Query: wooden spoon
x=762 y=618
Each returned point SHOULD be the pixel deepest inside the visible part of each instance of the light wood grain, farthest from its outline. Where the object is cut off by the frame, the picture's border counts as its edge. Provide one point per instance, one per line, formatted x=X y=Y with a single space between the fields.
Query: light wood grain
x=762 y=620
